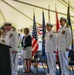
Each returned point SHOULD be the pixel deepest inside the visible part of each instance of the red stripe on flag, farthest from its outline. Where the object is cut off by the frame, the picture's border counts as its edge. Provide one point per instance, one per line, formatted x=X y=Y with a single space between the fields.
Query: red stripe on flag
x=34 y=45
x=33 y=41
x=33 y=52
x=40 y=30
x=40 y=27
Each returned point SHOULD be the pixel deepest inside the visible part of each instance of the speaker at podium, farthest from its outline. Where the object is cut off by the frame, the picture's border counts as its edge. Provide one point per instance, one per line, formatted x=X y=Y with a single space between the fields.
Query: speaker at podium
x=5 y=64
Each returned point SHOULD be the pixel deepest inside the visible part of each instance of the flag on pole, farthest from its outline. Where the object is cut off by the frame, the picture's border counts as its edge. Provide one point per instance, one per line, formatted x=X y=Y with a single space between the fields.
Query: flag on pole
x=44 y=32
x=57 y=27
x=34 y=36
x=69 y=21
x=68 y=17
x=57 y=21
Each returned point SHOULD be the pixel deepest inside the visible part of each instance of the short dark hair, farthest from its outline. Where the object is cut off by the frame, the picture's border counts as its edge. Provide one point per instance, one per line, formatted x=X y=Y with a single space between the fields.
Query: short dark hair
x=26 y=30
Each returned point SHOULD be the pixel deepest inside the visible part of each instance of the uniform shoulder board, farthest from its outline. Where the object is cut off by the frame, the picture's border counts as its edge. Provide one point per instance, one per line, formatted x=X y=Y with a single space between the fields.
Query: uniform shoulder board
x=46 y=32
x=59 y=28
x=54 y=32
x=67 y=26
x=13 y=30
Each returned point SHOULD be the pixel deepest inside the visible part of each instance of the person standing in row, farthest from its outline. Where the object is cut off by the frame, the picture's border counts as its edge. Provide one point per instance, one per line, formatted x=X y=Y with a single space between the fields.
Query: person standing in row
x=12 y=40
x=27 y=49
x=50 y=47
x=64 y=42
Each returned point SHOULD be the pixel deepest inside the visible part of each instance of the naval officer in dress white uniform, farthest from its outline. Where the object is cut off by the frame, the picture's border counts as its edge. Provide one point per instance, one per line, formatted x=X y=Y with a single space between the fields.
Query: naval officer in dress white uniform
x=50 y=47
x=12 y=40
x=64 y=42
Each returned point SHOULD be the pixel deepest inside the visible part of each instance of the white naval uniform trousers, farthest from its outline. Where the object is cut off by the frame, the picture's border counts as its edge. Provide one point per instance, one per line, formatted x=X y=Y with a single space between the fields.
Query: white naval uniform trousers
x=50 y=47
x=12 y=40
x=64 y=41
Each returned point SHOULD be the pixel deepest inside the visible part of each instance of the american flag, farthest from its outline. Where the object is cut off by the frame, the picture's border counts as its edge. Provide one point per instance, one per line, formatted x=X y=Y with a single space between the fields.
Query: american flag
x=34 y=37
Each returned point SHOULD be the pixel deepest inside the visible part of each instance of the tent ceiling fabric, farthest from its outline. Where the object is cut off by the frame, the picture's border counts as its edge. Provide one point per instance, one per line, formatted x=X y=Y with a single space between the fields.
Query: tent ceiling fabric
x=20 y=21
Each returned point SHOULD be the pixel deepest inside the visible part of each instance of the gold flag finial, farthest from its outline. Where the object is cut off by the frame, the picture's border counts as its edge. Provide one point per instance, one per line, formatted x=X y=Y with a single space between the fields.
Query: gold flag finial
x=42 y=10
x=48 y=13
x=69 y=3
x=33 y=11
x=49 y=7
x=55 y=7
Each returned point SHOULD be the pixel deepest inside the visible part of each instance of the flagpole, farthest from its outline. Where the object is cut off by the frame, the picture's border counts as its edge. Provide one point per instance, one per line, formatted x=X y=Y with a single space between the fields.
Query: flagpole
x=71 y=26
x=69 y=3
x=68 y=16
x=43 y=35
x=55 y=8
x=33 y=12
x=49 y=14
x=42 y=10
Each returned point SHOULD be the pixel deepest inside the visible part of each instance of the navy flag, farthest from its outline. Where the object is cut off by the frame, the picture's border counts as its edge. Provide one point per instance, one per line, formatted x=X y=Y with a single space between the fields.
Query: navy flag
x=44 y=32
x=69 y=22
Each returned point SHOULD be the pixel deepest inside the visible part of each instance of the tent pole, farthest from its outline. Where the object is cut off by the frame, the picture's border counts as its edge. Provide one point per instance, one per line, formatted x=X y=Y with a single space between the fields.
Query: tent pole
x=2 y=15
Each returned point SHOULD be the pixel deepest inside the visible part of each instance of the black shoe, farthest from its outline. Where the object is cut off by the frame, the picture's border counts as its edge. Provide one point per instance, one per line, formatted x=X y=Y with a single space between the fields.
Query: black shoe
x=25 y=72
x=30 y=70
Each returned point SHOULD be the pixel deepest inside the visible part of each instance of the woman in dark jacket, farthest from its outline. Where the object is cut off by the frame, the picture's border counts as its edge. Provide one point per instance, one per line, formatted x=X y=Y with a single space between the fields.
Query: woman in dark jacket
x=27 y=49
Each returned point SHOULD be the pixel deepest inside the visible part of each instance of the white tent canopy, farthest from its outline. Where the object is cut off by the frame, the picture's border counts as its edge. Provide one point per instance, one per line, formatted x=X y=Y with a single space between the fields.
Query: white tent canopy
x=18 y=18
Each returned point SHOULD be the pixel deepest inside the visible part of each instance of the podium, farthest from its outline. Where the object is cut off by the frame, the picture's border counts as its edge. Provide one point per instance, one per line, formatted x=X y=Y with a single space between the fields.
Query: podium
x=5 y=65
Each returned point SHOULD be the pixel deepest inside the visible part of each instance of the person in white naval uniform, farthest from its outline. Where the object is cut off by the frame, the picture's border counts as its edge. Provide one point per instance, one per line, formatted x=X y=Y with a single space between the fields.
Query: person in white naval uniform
x=12 y=40
x=50 y=48
x=64 y=42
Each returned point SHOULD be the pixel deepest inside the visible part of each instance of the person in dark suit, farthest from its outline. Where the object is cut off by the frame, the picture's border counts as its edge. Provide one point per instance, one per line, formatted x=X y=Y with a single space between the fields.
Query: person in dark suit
x=27 y=49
